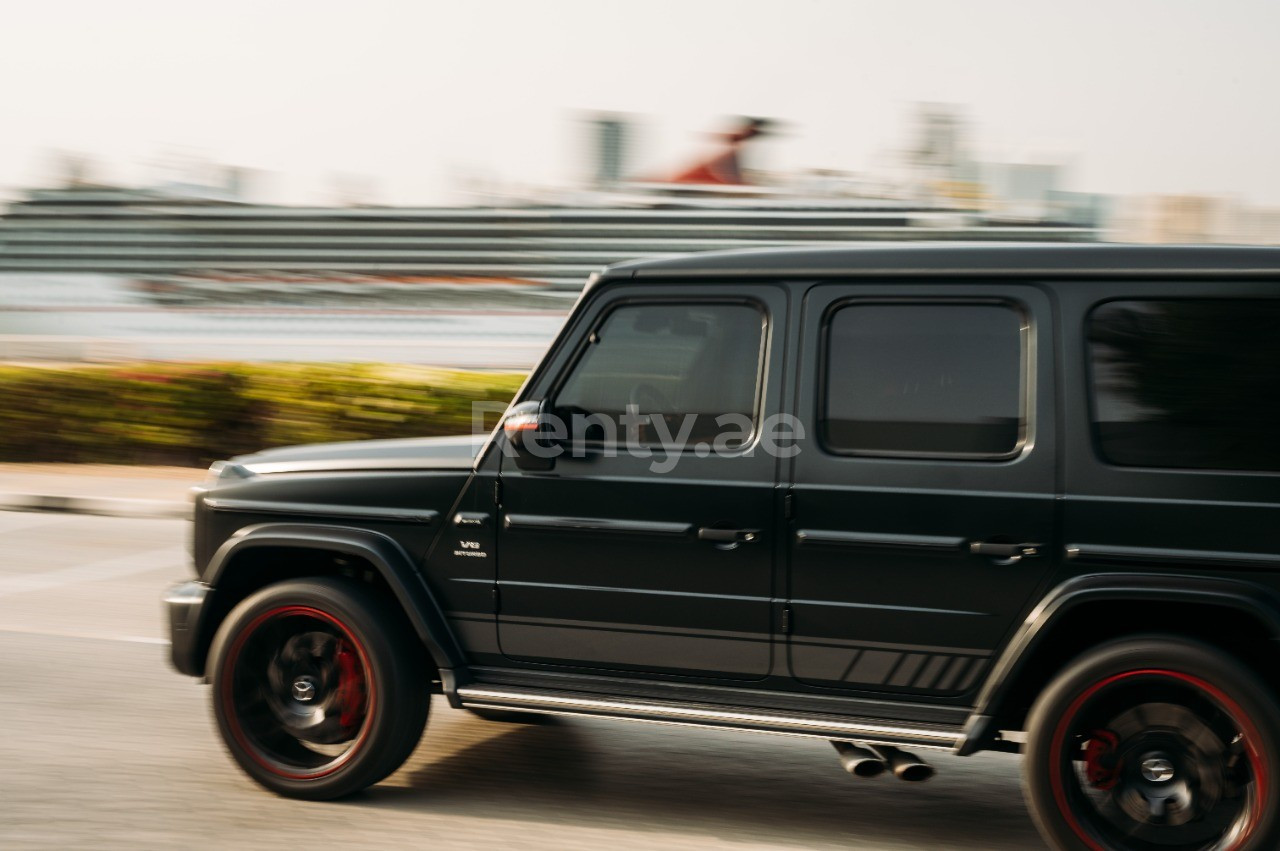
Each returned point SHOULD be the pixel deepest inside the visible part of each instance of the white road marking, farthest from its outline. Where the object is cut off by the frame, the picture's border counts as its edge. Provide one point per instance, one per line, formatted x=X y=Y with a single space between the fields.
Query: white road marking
x=55 y=633
x=110 y=568
x=14 y=521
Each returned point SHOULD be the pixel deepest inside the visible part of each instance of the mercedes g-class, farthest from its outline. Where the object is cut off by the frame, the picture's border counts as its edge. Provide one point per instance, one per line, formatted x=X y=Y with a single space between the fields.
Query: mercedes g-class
x=1015 y=498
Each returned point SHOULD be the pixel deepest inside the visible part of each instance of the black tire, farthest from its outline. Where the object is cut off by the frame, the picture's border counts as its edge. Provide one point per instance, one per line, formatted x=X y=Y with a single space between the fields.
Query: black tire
x=318 y=690
x=1155 y=743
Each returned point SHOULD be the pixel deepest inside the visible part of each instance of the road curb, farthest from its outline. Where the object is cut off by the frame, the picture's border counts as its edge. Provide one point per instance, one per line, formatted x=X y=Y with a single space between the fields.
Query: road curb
x=104 y=506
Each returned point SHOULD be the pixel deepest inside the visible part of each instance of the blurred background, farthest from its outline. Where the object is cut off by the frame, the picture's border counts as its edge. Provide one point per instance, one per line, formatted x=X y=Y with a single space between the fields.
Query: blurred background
x=430 y=184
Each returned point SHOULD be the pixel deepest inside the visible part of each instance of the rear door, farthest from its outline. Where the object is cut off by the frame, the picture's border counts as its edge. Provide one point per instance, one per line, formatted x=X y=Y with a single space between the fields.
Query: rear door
x=923 y=513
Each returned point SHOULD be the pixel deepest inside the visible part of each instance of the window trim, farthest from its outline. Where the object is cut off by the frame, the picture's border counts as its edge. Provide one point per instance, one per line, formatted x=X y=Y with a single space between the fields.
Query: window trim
x=585 y=342
x=1026 y=384
x=1091 y=389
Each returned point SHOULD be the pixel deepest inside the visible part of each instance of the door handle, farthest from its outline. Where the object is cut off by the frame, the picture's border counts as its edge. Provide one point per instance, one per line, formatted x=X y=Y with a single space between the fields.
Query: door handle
x=727 y=539
x=1005 y=553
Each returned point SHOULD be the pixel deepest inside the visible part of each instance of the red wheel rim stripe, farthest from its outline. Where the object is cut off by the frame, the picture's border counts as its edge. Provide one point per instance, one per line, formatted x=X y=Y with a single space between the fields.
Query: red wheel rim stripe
x=1238 y=716
x=228 y=702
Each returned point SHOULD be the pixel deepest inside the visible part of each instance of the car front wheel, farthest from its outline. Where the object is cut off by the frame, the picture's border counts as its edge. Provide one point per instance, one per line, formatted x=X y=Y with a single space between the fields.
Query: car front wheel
x=317 y=691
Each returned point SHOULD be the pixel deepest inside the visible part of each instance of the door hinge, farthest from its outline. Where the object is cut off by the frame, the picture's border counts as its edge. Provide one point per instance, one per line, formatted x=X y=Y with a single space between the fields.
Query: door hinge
x=497 y=599
x=788 y=506
x=497 y=492
x=786 y=620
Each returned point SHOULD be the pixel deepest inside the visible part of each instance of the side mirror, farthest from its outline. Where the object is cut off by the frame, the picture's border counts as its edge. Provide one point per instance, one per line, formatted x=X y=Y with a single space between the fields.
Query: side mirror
x=532 y=435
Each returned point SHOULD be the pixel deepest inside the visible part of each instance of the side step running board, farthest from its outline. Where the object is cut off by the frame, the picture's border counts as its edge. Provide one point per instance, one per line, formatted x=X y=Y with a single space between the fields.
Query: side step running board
x=812 y=725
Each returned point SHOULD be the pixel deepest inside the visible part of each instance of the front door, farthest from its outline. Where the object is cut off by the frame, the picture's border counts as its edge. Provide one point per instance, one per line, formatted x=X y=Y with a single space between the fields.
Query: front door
x=648 y=545
x=923 y=504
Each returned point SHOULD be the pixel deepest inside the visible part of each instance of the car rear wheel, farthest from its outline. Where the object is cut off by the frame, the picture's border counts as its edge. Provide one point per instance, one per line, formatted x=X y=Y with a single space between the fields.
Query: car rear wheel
x=1155 y=744
x=317 y=691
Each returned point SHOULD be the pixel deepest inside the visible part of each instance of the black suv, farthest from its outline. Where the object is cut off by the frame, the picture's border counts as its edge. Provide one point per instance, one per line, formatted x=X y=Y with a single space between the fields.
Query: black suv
x=963 y=498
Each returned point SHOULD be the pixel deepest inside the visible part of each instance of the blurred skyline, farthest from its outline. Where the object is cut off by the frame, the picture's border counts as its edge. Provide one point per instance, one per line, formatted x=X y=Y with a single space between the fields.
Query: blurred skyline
x=410 y=102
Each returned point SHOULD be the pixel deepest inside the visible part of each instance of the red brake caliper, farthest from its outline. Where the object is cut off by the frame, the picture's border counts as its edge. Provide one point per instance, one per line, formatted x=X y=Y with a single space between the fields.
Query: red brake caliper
x=350 y=697
x=1100 y=763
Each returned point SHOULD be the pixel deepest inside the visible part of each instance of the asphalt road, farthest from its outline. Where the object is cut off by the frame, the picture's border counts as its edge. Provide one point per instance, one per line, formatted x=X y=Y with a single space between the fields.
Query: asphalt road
x=103 y=745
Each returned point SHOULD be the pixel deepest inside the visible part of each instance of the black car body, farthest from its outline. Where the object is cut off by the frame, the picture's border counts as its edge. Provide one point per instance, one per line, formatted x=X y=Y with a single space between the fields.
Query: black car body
x=991 y=472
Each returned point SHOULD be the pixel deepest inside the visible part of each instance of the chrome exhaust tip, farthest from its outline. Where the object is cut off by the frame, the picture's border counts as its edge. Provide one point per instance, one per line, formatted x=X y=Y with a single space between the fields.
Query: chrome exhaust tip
x=904 y=766
x=859 y=761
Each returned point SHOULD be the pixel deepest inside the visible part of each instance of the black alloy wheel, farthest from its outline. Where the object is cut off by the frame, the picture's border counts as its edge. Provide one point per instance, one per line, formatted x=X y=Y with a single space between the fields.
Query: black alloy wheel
x=317 y=692
x=1154 y=745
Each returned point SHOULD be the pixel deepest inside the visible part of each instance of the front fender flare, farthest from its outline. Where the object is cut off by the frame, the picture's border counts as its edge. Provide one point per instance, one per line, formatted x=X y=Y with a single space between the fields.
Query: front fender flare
x=386 y=556
x=1246 y=597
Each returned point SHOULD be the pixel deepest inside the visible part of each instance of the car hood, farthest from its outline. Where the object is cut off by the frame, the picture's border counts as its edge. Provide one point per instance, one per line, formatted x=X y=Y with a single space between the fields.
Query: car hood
x=412 y=453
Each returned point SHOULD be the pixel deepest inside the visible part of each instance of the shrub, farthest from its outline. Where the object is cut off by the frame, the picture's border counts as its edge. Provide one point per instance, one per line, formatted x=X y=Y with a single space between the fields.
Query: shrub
x=194 y=414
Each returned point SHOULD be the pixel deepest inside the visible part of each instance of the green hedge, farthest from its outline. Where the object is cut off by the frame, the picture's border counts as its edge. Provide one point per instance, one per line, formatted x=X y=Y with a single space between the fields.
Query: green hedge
x=194 y=414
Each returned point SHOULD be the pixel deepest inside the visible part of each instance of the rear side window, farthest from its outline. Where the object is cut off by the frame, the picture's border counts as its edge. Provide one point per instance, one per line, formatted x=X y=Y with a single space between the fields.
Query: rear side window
x=1190 y=384
x=694 y=366
x=924 y=380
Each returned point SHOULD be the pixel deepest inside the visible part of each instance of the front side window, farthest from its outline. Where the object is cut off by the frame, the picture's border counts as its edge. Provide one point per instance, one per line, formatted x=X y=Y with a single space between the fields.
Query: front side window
x=689 y=373
x=924 y=380
x=1187 y=384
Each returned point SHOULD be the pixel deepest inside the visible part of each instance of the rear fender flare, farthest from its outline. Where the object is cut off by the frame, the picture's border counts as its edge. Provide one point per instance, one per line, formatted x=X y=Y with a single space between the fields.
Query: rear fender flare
x=1248 y=598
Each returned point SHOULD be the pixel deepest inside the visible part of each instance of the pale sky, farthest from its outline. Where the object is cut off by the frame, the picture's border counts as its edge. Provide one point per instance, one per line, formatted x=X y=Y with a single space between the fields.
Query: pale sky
x=1137 y=96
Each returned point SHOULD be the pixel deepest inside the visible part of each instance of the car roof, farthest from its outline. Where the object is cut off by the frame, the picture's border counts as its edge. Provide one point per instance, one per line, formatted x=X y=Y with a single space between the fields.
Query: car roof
x=961 y=259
